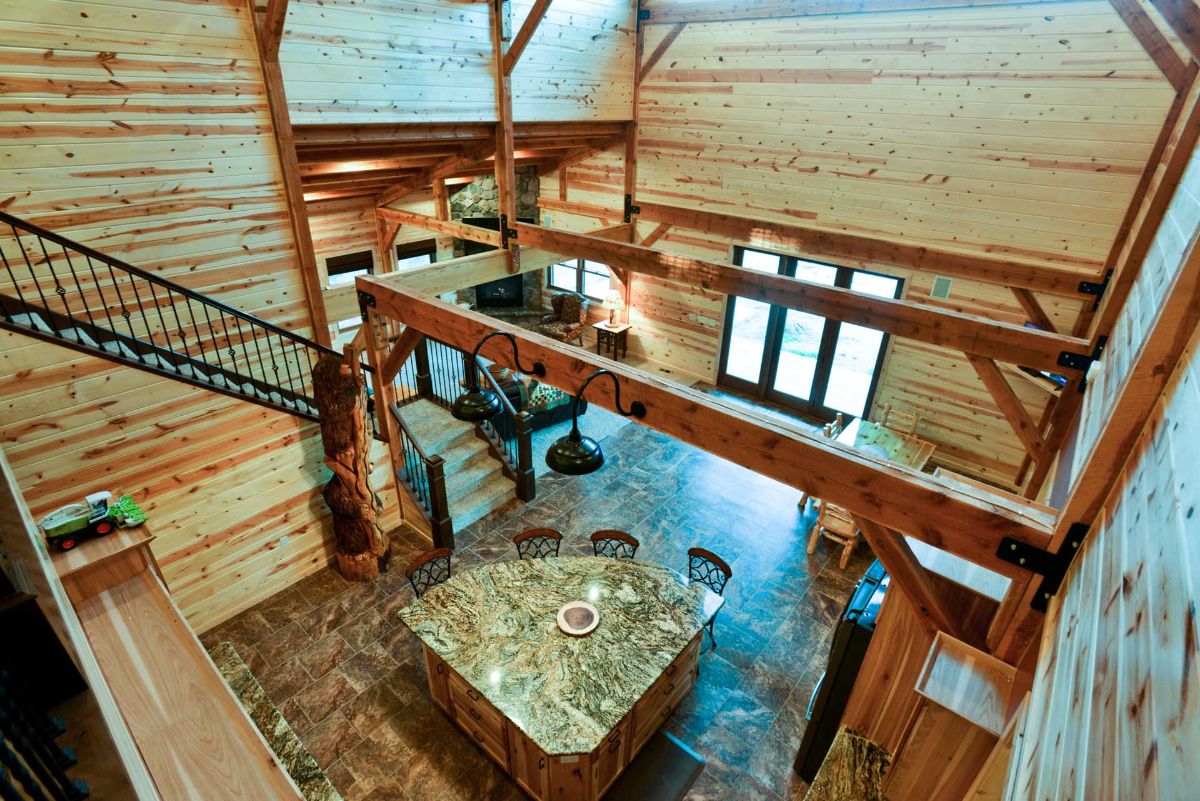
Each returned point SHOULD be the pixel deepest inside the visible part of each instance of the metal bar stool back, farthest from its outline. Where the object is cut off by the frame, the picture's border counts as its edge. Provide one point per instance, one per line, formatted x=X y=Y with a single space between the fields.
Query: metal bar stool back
x=614 y=544
x=429 y=569
x=537 y=543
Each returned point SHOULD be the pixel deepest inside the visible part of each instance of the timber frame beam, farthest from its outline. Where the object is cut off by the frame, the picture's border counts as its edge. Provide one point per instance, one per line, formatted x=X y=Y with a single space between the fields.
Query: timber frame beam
x=908 y=501
x=972 y=335
x=853 y=247
x=674 y=11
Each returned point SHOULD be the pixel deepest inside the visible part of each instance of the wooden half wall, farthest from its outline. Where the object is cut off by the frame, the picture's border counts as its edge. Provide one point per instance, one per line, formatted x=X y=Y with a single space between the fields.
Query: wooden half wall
x=142 y=130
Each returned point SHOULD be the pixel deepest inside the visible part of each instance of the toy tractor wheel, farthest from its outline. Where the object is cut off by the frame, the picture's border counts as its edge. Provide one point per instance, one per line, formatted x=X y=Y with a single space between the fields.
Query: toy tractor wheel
x=67 y=544
x=104 y=527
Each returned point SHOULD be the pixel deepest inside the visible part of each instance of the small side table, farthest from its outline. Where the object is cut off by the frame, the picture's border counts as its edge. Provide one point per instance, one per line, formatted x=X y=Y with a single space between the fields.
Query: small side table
x=612 y=338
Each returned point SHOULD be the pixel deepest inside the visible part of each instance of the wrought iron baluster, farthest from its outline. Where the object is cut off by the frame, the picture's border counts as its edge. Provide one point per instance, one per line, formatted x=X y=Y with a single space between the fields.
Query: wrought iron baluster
x=237 y=324
x=229 y=348
x=78 y=287
x=161 y=319
x=16 y=284
x=287 y=365
x=262 y=366
x=142 y=311
x=33 y=276
x=213 y=336
x=100 y=292
x=196 y=332
x=179 y=329
x=125 y=315
x=59 y=289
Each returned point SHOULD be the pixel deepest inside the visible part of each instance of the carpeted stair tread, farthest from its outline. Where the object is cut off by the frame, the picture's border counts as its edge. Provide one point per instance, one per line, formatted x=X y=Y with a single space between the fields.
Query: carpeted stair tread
x=493 y=494
x=470 y=475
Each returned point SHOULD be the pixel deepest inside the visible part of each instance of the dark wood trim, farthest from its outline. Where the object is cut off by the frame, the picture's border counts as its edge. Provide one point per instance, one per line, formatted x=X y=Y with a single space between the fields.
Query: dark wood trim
x=1184 y=17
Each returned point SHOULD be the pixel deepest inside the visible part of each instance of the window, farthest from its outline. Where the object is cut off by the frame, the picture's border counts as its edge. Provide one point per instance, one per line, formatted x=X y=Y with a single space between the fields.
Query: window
x=344 y=269
x=416 y=254
x=590 y=278
x=798 y=359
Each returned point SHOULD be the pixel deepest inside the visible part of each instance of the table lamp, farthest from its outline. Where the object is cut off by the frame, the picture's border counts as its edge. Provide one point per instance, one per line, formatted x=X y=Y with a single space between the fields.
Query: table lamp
x=614 y=303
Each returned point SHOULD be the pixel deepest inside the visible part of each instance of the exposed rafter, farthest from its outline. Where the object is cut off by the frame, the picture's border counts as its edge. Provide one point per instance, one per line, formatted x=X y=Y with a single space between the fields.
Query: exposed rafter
x=580 y=154
x=469 y=157
x=660 y=50
x=853 y=247
x=974 y=335
x=1011 y=407
x=521 y=40
x=448 y=227
x=1153 y=41
x=272 y=28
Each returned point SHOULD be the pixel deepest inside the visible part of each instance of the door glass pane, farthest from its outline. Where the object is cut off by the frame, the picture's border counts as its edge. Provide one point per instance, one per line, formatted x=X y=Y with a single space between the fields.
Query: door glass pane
x=802 y=334
x=747 y=338
x=856 y=356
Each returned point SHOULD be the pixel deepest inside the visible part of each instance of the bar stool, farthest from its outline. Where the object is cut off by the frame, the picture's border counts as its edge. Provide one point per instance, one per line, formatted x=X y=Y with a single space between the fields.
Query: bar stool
x=713 y=572
x=429 y=569
x=537 y=543
x=614 y=544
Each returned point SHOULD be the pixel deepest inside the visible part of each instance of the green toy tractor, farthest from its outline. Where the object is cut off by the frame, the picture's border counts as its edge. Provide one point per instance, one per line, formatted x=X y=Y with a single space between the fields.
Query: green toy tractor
x=99 y=515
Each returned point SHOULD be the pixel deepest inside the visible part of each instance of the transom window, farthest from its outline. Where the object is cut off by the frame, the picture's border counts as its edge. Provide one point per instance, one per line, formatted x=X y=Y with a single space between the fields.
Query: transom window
x=416 y=254
x=589 y=278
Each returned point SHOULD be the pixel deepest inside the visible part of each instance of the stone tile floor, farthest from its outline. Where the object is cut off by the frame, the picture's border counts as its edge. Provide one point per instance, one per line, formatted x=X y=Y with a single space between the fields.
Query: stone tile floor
x=349 y=677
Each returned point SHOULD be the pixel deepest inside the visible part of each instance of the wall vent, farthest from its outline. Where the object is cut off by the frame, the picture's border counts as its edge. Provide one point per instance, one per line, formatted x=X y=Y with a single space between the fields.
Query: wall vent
x=941 y=287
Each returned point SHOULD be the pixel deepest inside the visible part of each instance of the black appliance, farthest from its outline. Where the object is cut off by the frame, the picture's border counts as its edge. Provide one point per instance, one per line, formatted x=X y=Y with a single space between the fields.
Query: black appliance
x=846 y=654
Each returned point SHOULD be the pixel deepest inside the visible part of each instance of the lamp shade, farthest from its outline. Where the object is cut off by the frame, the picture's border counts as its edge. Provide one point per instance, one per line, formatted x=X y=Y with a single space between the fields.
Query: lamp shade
x=613 y=300
x=476 y=405
x=575 y=455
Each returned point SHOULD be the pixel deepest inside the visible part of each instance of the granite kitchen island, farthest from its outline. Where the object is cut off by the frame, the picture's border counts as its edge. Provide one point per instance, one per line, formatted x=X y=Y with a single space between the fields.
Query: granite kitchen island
x=562 y=715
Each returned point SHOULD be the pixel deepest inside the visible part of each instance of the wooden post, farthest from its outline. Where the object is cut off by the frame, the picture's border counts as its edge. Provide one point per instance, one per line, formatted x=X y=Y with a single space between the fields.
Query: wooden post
x=526 y=478
x=424 y=375
x=439 y=507
x=340 y=396
x=505 y=176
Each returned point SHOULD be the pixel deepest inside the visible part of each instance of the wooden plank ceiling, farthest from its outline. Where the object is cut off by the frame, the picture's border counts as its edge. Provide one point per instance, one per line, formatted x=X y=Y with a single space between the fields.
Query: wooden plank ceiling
x=355 y=160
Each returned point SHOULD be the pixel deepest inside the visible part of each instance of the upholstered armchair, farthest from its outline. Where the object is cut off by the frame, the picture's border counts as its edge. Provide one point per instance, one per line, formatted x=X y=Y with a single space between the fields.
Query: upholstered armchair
x=567 y=321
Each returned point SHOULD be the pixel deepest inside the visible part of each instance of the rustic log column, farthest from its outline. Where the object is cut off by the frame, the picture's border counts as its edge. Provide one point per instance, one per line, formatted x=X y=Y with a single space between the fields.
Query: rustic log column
x=340 y=395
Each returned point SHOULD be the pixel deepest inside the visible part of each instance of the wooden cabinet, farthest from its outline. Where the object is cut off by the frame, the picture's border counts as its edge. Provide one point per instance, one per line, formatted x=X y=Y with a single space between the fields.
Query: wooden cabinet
x=529 y=766
x=480 y=719
x=611 y=758
x=436 y=670
x=569 y=777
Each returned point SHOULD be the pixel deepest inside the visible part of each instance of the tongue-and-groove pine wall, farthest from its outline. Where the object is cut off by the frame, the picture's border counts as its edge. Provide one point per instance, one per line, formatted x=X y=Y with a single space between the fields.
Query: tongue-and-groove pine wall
x=1019 y=130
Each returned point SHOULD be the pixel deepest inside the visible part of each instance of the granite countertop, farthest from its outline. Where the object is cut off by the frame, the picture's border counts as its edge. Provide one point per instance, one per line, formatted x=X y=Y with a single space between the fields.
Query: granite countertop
x=496 y=627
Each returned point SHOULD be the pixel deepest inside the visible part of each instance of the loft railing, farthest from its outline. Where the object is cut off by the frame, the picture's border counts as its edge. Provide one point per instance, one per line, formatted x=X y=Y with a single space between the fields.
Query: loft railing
x=32 y=765
x=439 y=373
x=64 y=292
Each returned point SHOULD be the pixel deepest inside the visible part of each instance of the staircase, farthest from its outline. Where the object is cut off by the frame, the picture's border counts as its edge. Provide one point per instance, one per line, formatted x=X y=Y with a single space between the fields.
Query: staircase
x=66 y=293
x=475 y=479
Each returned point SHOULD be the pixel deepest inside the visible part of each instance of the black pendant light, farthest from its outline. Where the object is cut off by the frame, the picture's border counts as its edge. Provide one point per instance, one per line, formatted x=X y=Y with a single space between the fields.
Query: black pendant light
x=478 y=404
x=575 y=454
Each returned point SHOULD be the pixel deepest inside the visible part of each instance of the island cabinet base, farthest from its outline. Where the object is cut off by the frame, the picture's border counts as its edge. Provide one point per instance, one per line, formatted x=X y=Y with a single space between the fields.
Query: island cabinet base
x=575 y=777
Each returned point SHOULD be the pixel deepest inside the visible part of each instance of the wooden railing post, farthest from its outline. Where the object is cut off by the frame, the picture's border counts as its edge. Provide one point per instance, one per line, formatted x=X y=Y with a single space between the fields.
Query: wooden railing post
x=439 y=505
x=526 y=479
x=424 y=375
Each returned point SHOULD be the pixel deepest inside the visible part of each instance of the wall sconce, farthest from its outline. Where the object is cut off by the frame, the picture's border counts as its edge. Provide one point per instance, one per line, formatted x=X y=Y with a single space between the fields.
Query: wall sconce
x=477 y=404
x=575 y=454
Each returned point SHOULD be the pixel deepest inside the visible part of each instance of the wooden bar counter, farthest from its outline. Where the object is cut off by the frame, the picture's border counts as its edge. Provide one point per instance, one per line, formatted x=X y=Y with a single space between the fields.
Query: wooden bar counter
x=562 y=715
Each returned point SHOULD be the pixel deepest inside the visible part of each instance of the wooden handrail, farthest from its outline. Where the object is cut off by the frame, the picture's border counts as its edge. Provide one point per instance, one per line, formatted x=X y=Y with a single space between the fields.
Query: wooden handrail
x=400 y=421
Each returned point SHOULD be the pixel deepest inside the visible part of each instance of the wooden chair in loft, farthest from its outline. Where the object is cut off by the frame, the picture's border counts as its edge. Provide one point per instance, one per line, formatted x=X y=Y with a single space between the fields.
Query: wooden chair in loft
x=899 y=420
x=829 y=431
x=568 y=321
x=835 y=524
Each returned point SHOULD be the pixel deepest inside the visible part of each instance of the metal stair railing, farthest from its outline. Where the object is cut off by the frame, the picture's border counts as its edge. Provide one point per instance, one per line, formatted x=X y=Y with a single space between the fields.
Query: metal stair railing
x=61 y=291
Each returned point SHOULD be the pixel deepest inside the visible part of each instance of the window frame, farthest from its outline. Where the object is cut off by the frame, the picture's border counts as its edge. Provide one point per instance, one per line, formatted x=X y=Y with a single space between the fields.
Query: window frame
x=579 y=265
x=350 y=264
x=814 y=406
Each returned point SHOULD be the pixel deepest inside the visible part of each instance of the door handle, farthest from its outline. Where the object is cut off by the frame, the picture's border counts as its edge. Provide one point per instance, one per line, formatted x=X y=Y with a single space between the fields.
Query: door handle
x=475 y=715
x=812 y=700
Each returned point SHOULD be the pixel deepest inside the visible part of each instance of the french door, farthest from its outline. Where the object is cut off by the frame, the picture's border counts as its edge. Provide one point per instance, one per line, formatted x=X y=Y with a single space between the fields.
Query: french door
x=802 y=360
